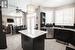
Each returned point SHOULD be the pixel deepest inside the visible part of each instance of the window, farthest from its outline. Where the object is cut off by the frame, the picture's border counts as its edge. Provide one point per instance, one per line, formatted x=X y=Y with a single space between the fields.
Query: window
x=65 y=17
x=68 y=16
x=18 y=21
x=59 y=17
x=4 y=3
x=49 y=17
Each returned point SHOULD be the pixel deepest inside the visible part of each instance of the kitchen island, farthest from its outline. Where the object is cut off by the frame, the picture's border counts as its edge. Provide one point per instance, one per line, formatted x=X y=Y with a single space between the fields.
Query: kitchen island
x=33 y=41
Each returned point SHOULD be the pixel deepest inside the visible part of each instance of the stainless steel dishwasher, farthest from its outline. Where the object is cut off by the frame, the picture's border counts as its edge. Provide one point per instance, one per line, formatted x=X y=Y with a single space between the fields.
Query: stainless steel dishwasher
x=50 y=33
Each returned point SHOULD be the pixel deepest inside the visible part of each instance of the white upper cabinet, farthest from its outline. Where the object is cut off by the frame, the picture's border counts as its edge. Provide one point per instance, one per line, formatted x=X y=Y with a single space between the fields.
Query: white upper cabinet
x=65 y=17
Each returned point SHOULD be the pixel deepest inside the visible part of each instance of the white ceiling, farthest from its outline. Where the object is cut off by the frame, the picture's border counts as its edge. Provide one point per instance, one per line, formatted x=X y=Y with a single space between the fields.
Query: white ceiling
x=45 y=3
x=22 y=4
x=52 y=3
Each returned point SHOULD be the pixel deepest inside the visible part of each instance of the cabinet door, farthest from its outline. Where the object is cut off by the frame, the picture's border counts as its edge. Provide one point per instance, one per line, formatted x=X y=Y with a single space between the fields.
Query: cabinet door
x=3 y=44
x=42 y=19
x=68 y=48
x=63 y=35
x=27 y=43
x=72 y=40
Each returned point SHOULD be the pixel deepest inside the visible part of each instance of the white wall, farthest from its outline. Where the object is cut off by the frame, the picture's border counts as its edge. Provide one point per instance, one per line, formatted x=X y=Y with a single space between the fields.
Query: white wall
x=4 y=19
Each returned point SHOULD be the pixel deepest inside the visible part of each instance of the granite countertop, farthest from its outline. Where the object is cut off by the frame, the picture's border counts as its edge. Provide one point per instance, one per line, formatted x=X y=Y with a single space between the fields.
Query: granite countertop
x=64 y=28
x=36 y=34
x=70 y=29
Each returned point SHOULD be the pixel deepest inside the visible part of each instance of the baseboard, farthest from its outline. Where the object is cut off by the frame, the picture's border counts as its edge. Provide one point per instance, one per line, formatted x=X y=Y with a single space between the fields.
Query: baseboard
x=62 y=42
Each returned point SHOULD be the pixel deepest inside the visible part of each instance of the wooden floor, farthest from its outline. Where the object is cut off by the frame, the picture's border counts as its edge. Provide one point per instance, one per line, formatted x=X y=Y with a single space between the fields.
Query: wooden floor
x=51 y=44
x=14 y=43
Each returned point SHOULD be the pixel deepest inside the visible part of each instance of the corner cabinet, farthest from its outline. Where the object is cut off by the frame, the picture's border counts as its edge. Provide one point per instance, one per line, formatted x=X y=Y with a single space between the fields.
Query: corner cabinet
x=29 y=43
x=42 y=19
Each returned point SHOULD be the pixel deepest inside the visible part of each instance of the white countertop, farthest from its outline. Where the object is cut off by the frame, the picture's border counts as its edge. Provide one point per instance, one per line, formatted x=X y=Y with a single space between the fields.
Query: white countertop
x=36 y=34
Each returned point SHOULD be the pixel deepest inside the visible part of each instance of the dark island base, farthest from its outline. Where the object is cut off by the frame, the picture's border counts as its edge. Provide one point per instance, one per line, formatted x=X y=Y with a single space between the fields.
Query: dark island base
x=33 y=43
